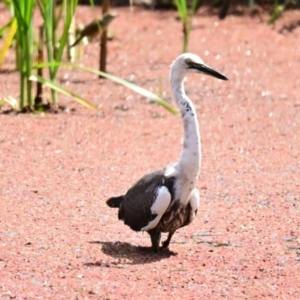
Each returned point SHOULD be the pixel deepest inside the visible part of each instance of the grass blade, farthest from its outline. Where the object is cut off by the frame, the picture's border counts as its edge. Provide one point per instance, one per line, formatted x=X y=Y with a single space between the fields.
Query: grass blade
x=62 y=90
x=123 y=82
x=5 y=27
x=8 y=40
x=71 y=7
x=140 y=90
x=10 y=101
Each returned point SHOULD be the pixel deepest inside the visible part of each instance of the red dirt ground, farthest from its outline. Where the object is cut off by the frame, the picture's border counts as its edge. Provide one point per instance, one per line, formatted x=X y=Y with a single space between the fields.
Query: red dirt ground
x=58 y=239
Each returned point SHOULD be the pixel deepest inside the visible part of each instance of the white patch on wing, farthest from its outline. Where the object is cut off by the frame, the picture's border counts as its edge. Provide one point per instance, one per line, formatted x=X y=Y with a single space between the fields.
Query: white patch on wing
x=194 y=201
x=160 y=205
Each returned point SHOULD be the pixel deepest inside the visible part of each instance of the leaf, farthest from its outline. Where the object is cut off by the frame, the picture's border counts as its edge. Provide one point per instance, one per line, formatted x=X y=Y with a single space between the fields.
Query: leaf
x=11 y=101
x=5 y=27
x=8 y=40
x=181 y=7
x=64 y=91
x=276 y=13
x=123 y=82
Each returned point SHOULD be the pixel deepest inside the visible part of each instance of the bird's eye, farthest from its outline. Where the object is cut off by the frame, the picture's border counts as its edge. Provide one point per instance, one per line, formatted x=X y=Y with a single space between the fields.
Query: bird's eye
x=189 y=63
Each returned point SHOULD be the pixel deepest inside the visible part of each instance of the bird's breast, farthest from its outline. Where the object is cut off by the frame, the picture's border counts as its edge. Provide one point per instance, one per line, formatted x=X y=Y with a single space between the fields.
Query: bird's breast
x=184 y=187
x=178 y=215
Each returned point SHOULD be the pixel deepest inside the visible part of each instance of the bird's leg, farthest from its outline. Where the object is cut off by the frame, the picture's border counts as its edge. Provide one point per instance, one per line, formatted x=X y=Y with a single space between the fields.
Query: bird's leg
x=166 y=243
x=155 y=239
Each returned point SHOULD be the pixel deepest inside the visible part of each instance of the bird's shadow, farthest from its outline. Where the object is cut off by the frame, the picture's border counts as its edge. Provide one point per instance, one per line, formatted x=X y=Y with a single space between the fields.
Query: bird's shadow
x=125 y=253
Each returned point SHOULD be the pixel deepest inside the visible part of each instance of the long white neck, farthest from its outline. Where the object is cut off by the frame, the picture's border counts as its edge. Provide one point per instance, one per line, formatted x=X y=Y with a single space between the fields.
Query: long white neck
x=190 y=159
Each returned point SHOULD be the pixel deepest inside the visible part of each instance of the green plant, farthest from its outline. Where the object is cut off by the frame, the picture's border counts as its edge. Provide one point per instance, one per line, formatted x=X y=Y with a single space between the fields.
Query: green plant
x=118 y=80
x=56 y=44
x=22 y=25
x=186 y=15
x=11 y=26
x=277 y=11
x=251 y=4
x=100 y=25
x=23 y=10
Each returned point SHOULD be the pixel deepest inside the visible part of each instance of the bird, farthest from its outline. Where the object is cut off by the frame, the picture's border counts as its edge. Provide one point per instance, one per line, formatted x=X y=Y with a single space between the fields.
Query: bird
x=168 y=199
x=95 y=27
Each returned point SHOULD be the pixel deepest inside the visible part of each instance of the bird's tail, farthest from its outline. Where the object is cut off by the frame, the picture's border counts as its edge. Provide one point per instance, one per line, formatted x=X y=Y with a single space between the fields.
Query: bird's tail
x=115 y=201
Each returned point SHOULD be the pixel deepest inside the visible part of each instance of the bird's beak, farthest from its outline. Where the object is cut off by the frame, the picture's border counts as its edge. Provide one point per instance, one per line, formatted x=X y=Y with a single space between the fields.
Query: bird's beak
x=202 y=68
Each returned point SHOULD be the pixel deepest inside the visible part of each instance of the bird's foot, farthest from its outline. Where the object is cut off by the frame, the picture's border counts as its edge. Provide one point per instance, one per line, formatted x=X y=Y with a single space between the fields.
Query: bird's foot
x=155 y=239
x=165 y=244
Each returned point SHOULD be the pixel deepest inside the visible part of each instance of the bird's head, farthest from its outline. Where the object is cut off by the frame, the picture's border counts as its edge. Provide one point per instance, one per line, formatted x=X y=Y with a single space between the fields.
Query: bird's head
x=191 y=63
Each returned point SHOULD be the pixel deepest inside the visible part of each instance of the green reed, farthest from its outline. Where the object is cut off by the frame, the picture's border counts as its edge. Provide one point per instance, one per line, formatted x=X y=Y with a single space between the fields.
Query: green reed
x=186 y=15
x=23 y=10
x=56 y=40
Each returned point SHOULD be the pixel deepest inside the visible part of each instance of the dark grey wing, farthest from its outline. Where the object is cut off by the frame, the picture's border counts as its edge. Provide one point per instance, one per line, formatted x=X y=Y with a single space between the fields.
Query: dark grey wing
x=146 y=201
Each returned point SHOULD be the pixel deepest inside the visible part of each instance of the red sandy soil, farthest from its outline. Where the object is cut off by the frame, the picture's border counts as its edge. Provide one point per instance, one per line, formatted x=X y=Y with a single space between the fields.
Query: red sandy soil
x=59 y=240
